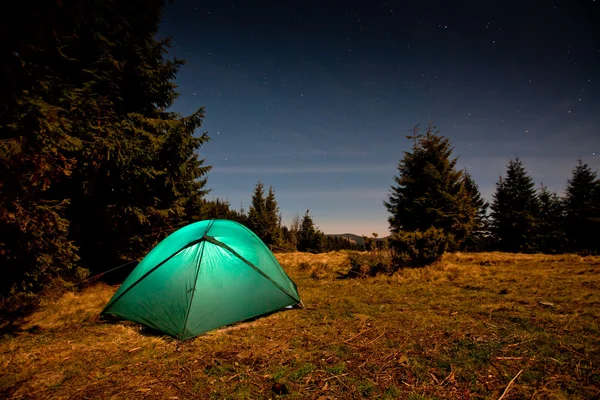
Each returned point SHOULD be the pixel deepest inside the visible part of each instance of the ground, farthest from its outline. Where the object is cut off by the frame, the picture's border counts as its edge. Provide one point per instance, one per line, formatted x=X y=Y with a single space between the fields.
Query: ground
x=484 y=325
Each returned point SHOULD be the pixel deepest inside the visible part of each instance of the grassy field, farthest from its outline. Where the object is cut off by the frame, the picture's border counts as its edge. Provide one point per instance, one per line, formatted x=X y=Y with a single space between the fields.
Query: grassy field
x=485 y=325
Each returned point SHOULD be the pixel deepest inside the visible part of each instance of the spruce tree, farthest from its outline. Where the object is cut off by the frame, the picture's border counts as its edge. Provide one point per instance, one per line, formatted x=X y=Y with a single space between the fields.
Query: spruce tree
x=139 y=173
x=263 y=216
x=37 y=148
x=272 y=220
x=218 y=209
x=90 y=156
x=429 y=191
x=257 y=212
x=582 y=207
x=477 y=239
x=515 y=208
x=310 y=239
x=551 y=234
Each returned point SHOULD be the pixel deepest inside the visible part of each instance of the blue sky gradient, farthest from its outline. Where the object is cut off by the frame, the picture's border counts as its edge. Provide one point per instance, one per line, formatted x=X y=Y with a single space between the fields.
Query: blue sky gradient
x=315 y=98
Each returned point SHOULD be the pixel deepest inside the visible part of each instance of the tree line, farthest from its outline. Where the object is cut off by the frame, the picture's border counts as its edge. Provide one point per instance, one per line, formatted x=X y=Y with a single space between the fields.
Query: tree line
x=265 y=220
x=435 y=207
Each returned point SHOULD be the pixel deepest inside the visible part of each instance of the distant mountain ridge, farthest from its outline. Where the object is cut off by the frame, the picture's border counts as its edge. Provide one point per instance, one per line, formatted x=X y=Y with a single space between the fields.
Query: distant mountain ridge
x=358 y=239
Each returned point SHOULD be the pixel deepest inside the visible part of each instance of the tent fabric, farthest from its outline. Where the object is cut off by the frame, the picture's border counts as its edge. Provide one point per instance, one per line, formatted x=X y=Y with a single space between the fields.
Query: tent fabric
x=203 y=276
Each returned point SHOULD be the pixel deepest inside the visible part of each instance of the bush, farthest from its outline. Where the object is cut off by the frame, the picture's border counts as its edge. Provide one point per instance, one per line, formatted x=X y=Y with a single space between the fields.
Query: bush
x=417 y=248
x=370 y=263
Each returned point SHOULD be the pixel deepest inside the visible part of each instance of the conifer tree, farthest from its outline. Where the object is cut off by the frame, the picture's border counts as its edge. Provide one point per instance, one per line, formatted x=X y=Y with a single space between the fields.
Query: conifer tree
x=36 y=147
x=429 y=191
x=263 y=215
x=477 y=239
x=582 y=207
x=515 y=208
x=139 y=173
x=257 y=212
x=309 y=238
x=551 y=234
x=272 y=219
x=91 y=157
x=218 y=209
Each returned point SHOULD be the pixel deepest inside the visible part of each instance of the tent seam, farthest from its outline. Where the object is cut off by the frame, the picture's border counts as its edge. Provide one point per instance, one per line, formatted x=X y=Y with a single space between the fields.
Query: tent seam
x=232 y=251
x=192 y=243
x=270 y=254
x=187 y=314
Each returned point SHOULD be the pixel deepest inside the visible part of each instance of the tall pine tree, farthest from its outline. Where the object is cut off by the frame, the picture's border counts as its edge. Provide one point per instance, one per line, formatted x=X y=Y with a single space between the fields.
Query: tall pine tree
x=550 y=228
x=272 y=219
x=263 y=216
x=139 y=172
x=582 y=207
x=256 y=212
x=92 y=158
x=478 y=237
x=515 y=208
x=310 y=239
x=37 y=113
x=429 y=190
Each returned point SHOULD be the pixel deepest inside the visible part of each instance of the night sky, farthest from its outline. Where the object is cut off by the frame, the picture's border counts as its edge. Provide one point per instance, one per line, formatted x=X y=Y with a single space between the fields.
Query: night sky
x=315 y=98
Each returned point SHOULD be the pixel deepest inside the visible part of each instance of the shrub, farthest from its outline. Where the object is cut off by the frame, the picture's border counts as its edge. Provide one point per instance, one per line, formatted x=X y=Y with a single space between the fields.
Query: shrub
x=417 y=248
x=319 y=270
x=370 y=263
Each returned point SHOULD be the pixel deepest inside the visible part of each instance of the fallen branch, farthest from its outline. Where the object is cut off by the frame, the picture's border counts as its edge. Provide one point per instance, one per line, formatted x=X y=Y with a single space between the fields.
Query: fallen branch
x=509 y=385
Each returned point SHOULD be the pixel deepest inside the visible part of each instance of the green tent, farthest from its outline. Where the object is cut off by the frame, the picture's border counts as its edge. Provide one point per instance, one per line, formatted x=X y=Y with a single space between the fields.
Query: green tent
x=203 y=276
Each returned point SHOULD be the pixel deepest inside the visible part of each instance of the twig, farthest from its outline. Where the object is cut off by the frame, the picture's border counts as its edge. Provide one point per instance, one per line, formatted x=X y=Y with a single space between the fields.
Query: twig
x=346 y=386
x=357 y=335
x=520 y=343
x=152 y=382
x=509 y=384
x=331 y=377
x=573 y=351
x=388 y=360
x=451 y=374
x=391 y=355
x=372 y=341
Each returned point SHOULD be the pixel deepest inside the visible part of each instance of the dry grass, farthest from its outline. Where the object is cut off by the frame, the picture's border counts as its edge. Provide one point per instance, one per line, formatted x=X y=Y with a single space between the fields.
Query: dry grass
x=463 y=328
